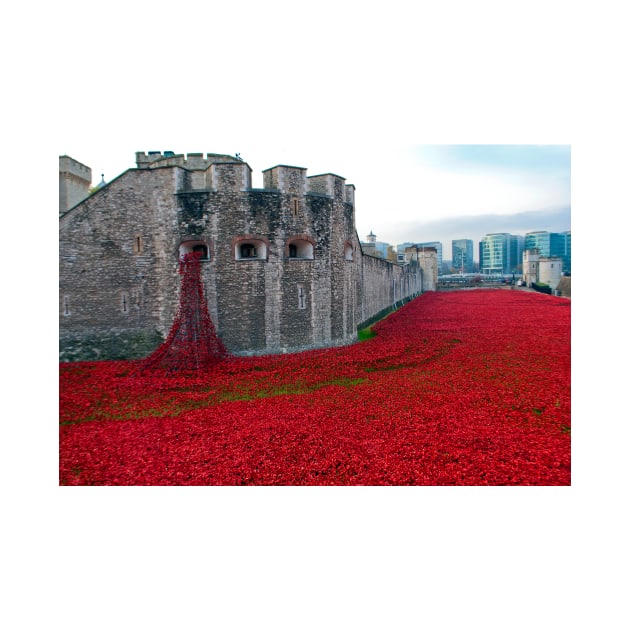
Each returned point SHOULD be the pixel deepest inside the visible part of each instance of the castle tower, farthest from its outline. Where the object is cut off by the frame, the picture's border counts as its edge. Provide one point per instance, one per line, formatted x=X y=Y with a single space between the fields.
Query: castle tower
x=74 y=182
x=428 y=261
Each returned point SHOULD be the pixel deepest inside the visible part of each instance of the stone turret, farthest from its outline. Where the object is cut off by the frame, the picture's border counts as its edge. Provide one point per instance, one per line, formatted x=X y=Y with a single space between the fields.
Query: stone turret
x=544 y=269
x=74 y=182
x=428 y=260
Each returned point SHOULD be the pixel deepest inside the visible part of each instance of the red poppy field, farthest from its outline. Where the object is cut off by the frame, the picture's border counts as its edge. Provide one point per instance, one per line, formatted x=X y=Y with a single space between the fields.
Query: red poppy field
x=455 y=388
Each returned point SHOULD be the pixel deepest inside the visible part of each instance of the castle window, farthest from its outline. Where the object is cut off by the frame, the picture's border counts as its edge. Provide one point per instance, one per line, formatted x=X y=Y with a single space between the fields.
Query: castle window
x=124 y=303
x=188 y=247
x=250 y=249
x=137 y=245
x=300 y=248
x=348 y=252
x=295 y=206
x=201 y=249
x=301 y=297
x=66 y=305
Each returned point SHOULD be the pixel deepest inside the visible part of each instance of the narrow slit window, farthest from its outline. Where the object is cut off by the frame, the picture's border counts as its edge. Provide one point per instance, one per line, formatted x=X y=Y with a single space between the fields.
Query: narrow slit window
x=295 y=207
x=301 y=297
x=66 y=305
x=137 y=245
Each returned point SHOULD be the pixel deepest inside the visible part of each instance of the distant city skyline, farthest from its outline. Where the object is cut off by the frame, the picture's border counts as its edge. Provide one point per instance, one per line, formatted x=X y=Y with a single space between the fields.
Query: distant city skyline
x=447 y=246
x=523 y=188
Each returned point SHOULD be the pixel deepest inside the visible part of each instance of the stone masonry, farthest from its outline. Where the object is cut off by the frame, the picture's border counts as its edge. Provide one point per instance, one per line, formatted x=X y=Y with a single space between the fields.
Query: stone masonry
x=282 y=266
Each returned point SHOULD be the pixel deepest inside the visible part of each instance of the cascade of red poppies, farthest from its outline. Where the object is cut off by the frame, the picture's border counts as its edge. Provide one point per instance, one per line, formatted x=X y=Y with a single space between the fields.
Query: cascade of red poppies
x=192 y=343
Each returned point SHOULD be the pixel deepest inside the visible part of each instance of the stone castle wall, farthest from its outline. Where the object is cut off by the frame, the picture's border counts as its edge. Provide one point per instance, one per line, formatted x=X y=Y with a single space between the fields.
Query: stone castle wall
x=118 y=268
x=308 y=286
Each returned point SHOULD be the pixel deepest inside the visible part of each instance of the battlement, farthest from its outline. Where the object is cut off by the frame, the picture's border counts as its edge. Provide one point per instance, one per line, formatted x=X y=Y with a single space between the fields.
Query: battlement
x=191 y=161
x=288 y=179
x=70 y=166
x=331 y=185
x=293 y=180
x=216 y=171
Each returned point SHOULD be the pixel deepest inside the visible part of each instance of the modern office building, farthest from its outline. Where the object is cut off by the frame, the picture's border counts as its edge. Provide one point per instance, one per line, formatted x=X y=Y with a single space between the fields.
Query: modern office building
x=501 y=253
x=462 y=255
x=494 y=253
x=551 y=244
x=517 y=246
x=566 y=258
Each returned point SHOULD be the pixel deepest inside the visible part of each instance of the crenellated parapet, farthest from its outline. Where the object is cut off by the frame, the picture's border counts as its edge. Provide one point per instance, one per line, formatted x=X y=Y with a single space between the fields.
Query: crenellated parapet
x=218 y=172
x=191 y=161
x=232 y=176
x=328 y=184
x=70 y=166
x=293 y=180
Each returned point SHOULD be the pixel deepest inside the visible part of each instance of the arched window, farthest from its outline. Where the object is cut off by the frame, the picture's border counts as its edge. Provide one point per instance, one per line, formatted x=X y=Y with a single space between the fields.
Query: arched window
x=300 y=248
x=188 y=247
x=250 y=249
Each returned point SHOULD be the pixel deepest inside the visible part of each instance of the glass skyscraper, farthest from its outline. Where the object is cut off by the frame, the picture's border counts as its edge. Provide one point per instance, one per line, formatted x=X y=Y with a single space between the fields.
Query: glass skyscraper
x=463 y=255
x=501 y=253
x=551 y=244
x=493 y=253
x=515 y=263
